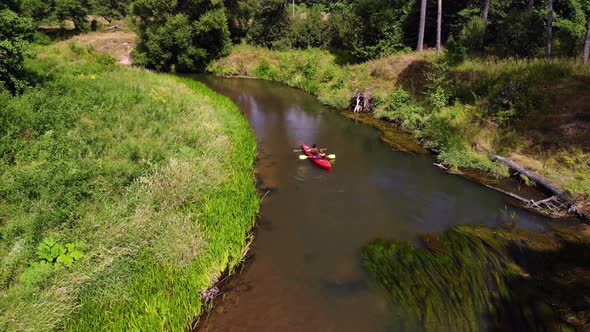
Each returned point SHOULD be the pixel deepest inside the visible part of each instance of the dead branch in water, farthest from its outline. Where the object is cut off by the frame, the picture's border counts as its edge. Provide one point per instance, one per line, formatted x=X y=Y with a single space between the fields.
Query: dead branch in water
x=552 y=206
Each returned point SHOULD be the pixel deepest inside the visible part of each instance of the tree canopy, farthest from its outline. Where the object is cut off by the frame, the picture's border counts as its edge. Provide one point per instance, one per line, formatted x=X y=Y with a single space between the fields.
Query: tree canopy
x=14 y=33
x=181 y=35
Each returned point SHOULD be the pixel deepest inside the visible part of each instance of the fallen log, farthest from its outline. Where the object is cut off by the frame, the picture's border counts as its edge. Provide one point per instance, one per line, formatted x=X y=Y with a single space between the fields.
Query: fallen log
x=514 y=166
x=559 y=203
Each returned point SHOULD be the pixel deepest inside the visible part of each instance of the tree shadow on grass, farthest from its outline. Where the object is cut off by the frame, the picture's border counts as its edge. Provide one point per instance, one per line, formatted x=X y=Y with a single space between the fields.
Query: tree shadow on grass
x=413 y=78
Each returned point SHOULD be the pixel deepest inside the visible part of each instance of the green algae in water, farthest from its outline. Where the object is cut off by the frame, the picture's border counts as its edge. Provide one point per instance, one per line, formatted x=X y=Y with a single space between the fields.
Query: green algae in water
x=474 y=278
x=452 y=288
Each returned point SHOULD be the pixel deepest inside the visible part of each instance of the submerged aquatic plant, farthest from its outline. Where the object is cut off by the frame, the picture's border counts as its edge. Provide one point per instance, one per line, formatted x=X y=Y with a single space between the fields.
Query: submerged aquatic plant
x=472 y=278
x=453 y=285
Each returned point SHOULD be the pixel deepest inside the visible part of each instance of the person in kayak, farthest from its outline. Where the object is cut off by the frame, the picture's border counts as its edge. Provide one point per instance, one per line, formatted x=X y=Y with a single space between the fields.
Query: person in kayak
x=317 y=153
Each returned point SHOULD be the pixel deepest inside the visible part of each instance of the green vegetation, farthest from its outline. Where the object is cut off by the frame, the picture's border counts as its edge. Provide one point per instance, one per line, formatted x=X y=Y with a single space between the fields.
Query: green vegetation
x=14 y=34
x=124 y=195
x=180 y=36
x=353 y=30
x=441 y=126
x=509 y=106
x=474 y=278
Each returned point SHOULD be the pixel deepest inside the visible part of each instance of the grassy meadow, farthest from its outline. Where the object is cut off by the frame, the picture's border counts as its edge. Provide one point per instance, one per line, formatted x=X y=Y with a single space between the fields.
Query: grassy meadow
x=124 y=194
x=529 y=110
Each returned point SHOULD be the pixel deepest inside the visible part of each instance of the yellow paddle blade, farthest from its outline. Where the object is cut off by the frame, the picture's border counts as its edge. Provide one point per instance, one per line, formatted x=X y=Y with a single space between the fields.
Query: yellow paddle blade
x=330 y=156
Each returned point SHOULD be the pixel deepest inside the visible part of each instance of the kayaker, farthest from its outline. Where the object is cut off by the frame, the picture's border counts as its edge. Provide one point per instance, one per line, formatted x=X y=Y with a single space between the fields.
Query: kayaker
x=317 y=153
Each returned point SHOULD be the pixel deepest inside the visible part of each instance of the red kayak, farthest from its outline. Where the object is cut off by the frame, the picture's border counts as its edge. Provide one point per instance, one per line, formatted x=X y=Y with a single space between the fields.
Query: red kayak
x=322 y=162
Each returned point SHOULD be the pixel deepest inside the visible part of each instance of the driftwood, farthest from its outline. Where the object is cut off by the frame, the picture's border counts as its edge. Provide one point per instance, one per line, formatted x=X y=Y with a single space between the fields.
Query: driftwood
x=558 y=204
x=553 y=205
x=514 y=166
x=361 y=102
x=112 y=27
x=446 y=169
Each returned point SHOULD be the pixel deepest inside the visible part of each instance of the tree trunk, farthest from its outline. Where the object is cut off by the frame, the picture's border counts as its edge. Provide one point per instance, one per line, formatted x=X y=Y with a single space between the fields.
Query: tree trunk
x=439 y=27
x=486 y=9
x=549 y=29
x=587 y=43
x=531 y=4
x=420 y=46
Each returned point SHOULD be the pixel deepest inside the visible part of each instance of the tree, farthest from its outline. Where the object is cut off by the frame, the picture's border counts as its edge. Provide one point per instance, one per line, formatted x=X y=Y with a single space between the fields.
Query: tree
x=358 y=33
x=549 y=29
x=486 y=9
x=519 y=34
x=439 y=27
x=56 y=11
x=182 y=35
x=586 y=53
x=420 y=46
x=14 y=31
x=309 y=30
x=531 y=5
x=270 y=25
x=109 y=9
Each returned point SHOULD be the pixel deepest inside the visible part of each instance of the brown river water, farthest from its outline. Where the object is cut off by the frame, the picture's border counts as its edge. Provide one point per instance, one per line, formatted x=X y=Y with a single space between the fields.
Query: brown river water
x=305 y=272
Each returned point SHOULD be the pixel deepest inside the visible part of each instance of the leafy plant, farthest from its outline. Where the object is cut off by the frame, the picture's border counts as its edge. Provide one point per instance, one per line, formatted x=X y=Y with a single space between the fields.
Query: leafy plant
x=51 y=251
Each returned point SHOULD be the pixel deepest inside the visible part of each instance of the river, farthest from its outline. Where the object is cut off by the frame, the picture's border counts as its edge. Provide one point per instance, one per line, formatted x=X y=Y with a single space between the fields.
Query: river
x=305 y=272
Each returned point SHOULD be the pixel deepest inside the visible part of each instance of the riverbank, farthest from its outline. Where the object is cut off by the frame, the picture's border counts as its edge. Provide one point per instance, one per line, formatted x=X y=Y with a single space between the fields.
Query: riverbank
x=125 y=195
x=533 y=112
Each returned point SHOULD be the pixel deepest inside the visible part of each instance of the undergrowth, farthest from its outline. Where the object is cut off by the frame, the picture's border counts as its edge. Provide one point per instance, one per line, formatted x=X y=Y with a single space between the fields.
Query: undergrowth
x=139 y=185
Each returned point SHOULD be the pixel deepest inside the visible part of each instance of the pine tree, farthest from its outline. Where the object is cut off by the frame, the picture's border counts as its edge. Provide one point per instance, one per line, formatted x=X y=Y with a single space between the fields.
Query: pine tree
x=420 y=46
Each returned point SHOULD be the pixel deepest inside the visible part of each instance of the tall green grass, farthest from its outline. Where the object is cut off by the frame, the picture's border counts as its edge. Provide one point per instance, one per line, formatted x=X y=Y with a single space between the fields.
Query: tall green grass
x=151 y=174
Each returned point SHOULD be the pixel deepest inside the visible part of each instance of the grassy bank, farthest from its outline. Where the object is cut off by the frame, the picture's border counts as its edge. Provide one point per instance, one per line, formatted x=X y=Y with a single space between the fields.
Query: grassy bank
x=532 y=111
x=123 y=195
x=475 y=278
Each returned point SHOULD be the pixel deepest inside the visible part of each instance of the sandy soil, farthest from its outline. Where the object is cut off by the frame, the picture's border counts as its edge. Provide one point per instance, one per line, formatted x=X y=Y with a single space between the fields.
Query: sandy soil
x=119 y=44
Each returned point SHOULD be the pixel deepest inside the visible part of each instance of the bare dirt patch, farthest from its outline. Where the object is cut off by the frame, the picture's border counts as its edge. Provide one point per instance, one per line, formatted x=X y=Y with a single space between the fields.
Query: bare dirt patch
x=119 y=44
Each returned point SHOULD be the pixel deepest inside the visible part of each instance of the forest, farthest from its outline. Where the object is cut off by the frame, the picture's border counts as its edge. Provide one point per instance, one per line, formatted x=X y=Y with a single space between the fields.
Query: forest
x=186 y=35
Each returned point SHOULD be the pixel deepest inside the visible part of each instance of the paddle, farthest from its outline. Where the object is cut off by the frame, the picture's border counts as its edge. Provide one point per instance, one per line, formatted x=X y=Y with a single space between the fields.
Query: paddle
x=330 y=156
x=302 y=150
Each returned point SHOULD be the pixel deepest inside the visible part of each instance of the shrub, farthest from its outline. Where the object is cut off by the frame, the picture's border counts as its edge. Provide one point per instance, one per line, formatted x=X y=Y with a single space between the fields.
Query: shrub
x=398 y=99
x=520 y=34
x=455 y=52
x=310 y=30
x=472 y=36
x=14 y=32
x=180 y=36
x=270 y=25
x=264 y=70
